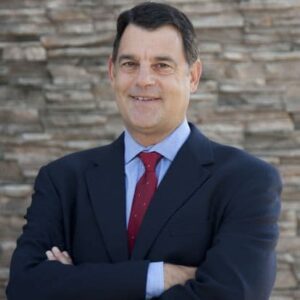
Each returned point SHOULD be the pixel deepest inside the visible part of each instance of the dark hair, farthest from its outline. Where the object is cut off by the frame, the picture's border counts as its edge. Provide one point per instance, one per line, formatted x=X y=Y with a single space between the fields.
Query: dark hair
x=152 y=15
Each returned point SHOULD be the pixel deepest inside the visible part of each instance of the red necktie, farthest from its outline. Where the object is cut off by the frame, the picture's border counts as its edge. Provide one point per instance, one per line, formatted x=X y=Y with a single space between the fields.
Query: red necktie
x=144 y=191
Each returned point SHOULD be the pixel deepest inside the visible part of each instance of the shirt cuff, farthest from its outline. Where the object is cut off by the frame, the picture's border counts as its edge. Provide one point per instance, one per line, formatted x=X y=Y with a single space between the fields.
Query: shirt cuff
x=155 y=280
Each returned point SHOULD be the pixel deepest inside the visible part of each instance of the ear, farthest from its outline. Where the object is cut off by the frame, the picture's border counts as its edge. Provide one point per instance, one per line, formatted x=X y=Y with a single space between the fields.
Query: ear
x=195 y=75
x=111 y=70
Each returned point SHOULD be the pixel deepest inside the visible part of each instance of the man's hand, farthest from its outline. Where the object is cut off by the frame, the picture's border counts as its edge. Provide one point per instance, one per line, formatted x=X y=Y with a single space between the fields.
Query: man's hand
x=61 y=256
x=177 y=274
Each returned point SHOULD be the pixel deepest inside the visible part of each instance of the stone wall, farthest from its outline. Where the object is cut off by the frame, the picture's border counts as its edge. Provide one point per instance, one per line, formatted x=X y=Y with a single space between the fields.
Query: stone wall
x=55 y=97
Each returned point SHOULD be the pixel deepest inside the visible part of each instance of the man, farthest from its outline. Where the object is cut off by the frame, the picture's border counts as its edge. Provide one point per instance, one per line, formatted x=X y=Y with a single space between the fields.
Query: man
x=162 y=212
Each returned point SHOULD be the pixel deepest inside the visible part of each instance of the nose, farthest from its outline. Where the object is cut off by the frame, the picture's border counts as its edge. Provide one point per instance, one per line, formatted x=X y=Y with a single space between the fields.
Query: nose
x=145 y=77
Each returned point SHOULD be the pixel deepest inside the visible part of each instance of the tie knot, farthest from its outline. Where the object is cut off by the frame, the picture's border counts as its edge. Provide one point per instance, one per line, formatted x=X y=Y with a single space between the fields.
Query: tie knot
x=150 y=160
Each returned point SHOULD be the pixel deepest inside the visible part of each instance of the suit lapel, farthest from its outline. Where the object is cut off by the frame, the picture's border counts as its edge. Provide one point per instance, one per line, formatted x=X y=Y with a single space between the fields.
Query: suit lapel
x=187 y=172
x=106 y=185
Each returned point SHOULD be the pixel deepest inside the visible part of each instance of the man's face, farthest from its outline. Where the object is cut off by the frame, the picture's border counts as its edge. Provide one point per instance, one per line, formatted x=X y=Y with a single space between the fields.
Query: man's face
x=152 y=81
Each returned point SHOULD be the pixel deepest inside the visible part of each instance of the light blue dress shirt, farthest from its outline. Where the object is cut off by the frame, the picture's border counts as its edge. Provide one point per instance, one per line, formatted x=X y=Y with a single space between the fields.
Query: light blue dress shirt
x=134 y=169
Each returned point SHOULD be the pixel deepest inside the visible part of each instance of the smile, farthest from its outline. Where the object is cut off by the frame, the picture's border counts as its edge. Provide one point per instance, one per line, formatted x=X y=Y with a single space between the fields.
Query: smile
x=144 y=99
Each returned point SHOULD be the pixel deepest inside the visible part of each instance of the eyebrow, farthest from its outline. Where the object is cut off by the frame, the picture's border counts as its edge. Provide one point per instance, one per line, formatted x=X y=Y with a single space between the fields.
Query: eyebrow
x=126 y=56
x=166 y=58
x=156 y=58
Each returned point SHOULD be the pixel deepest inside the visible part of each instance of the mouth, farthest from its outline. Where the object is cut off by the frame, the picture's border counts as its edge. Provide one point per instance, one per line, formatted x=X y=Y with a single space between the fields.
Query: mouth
x=145 y=98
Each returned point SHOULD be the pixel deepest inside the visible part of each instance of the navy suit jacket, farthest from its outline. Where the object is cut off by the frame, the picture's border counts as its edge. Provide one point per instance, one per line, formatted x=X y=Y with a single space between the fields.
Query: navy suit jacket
x=216 y=208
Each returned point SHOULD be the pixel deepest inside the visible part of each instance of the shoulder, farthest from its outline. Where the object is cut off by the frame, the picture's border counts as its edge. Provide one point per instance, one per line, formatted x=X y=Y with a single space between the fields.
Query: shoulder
x=240 y=165
x=226 y=158
x=78 y=162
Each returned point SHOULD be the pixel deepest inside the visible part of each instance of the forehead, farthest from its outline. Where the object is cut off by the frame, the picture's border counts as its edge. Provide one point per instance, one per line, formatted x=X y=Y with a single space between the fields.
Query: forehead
x=138 y=41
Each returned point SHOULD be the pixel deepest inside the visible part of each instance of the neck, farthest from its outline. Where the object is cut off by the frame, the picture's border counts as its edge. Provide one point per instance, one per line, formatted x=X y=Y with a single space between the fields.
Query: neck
x=148 y=139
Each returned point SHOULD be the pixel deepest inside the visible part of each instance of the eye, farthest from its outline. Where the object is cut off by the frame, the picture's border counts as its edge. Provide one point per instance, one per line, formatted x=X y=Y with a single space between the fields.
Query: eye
x=163 y=68
x=129 y=65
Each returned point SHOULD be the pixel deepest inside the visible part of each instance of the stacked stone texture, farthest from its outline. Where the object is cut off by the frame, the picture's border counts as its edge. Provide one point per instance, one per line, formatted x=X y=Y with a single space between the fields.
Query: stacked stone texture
x=55 y=97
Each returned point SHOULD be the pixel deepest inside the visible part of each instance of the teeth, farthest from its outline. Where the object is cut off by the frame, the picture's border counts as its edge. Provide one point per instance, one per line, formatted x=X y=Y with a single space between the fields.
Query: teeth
x=143 y=98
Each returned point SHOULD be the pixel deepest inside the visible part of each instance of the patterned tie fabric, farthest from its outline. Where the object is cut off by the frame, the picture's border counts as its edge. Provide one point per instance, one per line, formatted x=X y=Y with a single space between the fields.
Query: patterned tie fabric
x=144 y=191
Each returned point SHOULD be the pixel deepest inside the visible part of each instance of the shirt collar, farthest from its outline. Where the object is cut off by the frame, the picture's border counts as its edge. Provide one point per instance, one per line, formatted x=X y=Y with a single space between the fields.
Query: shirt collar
x=168 y=147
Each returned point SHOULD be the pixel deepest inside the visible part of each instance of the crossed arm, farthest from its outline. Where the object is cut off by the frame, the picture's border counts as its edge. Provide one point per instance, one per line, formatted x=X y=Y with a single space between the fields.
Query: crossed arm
x=173 y=274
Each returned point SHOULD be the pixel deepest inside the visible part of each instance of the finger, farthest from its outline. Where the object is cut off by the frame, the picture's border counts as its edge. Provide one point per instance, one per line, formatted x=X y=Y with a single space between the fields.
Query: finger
x=50 y=255
x=60 y=256
x=66 y=254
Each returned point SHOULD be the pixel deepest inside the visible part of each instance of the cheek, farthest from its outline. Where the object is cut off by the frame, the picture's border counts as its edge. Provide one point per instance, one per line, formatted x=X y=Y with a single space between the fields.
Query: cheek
x=122 y=83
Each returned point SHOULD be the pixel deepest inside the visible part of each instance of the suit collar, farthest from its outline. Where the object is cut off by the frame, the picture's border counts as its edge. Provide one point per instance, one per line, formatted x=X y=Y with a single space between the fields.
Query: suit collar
x=106 y=184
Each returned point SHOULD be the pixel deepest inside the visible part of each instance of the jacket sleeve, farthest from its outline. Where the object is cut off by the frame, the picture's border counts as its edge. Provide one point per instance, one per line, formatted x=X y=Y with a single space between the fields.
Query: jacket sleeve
x=241 y=263
x=33 y=277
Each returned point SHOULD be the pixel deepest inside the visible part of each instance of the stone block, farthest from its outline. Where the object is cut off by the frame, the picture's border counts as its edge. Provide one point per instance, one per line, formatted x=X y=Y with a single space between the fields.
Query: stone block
x=200 y=8
x=4 y=273
x=75 y=28
x=230 y=133
x=80 y=52
x=10 y=171
x=252 y=101
x=27 y=52
x=240 y=87
x=285 y=279
x=17 y=96
x=225 y=37
x=33 y=81
x=10 y=228
x=259 y=20
x=16 y=190
x=13 y=206
x=108 y=107
x=288 y=223
x=272 y=140
x=263 y=39
x=208 y=86
x=70 y=75
x=26 y=29
x=248 y=72
x=281 y=297
x=32 y=157
x=285 y=258
x=104 y=92
x=35 y=137
x=268 y=5
x=105 y=25
x=289 y=245
x=67 y=95
x=296 y=119
x=209 y=48
x=213 y=69
x=81 y=145
x=276 y=56
x=6 y=250
x=292 y=98
x=19 y=115
x=60 y=14
x=21 y=13
x=219 y=21
x=278 y=70
x=290 y=173
x=291 y=195
x=235 y=56
x=59 y=41
x=65 y=120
